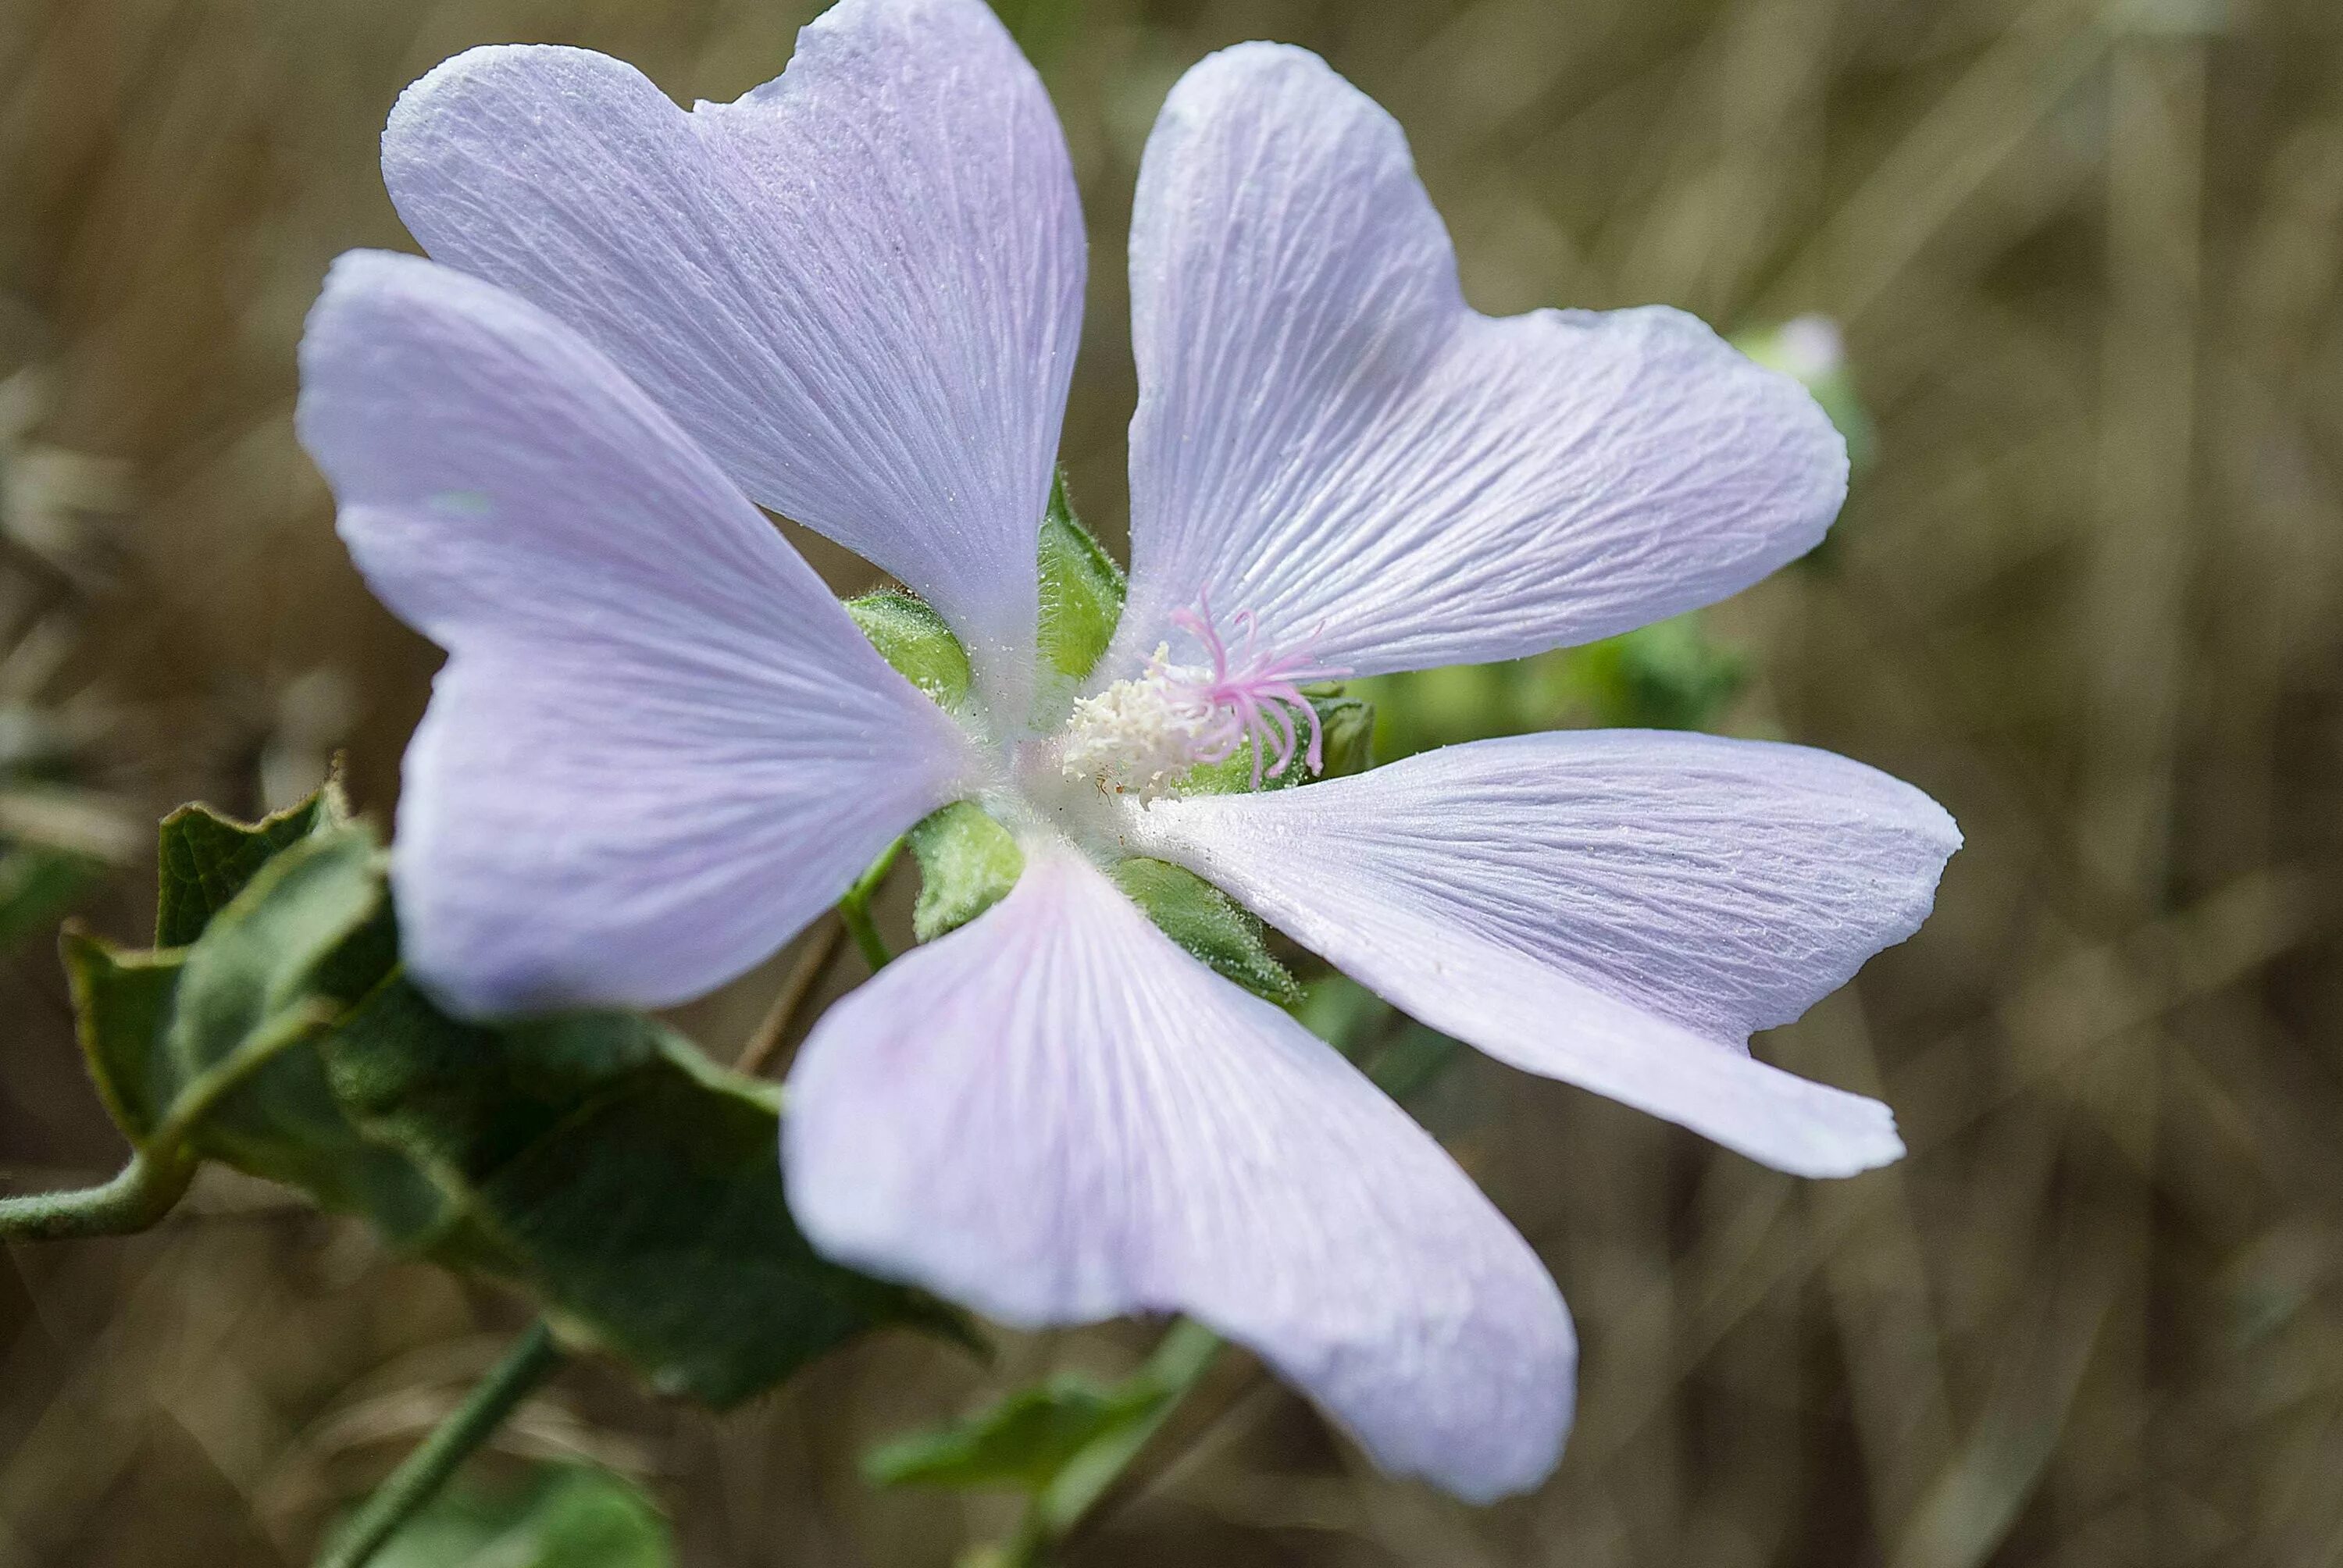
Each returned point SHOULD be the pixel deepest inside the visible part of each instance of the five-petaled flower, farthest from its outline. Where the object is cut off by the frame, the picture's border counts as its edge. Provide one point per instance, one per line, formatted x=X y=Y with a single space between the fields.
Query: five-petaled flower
x=658 y=748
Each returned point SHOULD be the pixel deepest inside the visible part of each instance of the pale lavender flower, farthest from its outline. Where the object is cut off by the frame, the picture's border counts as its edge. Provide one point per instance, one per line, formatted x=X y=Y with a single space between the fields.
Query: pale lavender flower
x=658 y=748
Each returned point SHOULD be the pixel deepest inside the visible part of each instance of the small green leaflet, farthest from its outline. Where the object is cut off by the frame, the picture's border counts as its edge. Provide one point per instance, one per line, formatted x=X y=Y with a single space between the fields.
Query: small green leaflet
x=1060 y=1442
x=909 y=635
x=967 y=863
x=1081 y=590
x=1207 y=922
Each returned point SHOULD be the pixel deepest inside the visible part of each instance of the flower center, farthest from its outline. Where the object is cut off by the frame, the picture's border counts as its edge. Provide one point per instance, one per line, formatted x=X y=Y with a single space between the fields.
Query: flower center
x=1139 y=735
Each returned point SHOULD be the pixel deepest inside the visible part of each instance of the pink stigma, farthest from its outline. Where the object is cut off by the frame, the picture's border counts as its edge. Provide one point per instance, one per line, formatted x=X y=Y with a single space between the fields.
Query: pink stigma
x=1253 y=696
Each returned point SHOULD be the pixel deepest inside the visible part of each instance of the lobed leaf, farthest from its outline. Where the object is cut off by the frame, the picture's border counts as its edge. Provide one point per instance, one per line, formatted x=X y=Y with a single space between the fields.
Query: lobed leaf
x=159 y=1028
x=206 y=858
x=598 y=1160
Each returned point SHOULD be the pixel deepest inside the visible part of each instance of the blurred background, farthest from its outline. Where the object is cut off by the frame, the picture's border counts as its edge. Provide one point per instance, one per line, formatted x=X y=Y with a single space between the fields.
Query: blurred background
x=2089 y=262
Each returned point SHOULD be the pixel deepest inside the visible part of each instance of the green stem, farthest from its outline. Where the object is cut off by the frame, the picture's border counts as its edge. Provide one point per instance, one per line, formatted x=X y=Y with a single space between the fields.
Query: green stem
x=139 y=1196
x=533 y=1358
x=854 y=910
x=158 y=1171
x=1185 y=1353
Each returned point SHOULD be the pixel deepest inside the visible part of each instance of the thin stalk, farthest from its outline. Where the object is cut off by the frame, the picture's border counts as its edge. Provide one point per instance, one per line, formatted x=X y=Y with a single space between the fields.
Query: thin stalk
x=1187 y=1351
x=811 y=965
x=533 y=1358
x=139 y=1195
x=854 y=910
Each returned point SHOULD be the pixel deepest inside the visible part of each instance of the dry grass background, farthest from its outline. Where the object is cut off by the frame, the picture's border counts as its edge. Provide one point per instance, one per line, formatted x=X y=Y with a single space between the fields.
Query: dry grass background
x=2088 y=257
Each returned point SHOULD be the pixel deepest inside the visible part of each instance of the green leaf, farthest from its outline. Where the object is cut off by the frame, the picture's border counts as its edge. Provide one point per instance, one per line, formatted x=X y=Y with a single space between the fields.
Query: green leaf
x=1210 y=924
x=559 y=1516
x=967 y=863
x=630 y=1184
x=1062 y=1443
x=38 y=884
x=598 y=1160
x=258 y=960
x=1024 y=1441
x=121 y=1015
x=163 y=1031
x=206 y=858
x=1081 y=589
x=909 y=635
x=1666 y=676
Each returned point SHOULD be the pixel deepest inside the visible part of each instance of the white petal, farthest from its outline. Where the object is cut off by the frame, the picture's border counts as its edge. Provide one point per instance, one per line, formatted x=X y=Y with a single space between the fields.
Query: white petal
x=1330 y=438
x=1055 y=1115
x=1616 y=908
x=658 y=746
x=859 y=286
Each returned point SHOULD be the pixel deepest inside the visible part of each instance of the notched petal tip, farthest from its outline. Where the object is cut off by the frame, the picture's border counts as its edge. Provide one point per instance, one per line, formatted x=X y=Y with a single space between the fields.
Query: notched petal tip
x=488 y=69
x=1862 y=1136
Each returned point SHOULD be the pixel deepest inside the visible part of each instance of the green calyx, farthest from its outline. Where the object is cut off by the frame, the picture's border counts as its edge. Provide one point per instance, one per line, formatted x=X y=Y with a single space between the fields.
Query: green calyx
x=1081 y=590
x=1347 y=745
x=967 y=863
x=1211 y=926
x=909 y=635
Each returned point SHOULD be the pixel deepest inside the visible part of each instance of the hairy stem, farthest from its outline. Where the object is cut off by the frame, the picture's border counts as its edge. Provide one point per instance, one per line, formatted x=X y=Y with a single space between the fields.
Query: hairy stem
x=533 y=1358
x=140 y=1195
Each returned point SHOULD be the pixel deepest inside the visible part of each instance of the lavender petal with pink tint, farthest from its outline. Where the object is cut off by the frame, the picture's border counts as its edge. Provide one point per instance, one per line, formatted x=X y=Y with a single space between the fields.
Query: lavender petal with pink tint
x=658 y=746
x=859 y=286
x=1328 y=437
x=1056 y=1115
x=1619 y=908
